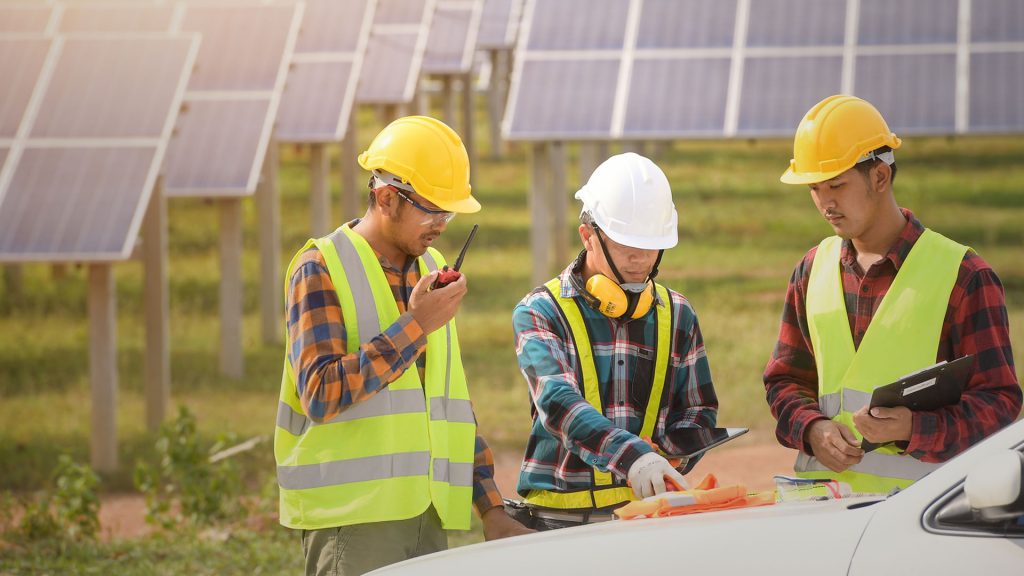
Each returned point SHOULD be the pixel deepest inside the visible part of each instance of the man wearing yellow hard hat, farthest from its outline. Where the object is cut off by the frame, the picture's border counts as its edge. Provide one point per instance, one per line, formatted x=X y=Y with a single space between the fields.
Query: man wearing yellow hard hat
x=882 y=298
x=376 y=444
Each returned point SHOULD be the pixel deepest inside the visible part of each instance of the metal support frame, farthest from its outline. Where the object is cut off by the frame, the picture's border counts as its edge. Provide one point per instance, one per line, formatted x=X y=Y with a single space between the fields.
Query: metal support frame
x=351 y=189
x=231 y=360
x=497 y=96
x=319 y=189
x=103 y=366
x=157 y=310
x=268 y=207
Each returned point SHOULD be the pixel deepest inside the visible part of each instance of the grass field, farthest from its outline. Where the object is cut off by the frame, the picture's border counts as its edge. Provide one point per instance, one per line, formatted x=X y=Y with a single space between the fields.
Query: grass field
x=741 y=233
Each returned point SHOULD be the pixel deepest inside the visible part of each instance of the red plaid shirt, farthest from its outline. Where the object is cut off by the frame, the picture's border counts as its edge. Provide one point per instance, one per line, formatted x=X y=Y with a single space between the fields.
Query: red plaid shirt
x=975 y=323
x=330 y=376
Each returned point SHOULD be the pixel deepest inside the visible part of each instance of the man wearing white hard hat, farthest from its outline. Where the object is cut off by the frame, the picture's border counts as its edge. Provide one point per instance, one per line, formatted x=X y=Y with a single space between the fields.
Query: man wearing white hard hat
x=611 y=358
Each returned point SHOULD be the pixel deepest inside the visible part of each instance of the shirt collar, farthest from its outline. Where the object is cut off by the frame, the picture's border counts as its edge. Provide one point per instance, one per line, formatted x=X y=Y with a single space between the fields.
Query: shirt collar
x=899 y=250
x=386 y=264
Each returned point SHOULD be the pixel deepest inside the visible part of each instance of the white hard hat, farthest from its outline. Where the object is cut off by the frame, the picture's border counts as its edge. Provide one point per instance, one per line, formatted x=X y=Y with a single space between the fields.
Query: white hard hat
x=631 y=201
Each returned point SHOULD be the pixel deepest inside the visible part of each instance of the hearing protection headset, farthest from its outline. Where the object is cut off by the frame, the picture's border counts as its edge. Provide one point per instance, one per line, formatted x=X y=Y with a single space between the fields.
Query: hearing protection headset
x=611 y=298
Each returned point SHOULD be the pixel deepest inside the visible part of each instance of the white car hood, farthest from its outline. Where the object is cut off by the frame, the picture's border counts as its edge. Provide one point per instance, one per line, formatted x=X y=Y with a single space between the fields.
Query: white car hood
x=798 y=538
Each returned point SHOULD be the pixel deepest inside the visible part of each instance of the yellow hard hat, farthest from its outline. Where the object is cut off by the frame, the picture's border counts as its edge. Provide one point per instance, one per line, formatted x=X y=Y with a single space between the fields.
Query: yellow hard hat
x=833 y=136
x=427 y=154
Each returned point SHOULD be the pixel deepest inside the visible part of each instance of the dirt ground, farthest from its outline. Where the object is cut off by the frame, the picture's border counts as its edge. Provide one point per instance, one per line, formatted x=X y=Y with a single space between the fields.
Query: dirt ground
x=753 y=464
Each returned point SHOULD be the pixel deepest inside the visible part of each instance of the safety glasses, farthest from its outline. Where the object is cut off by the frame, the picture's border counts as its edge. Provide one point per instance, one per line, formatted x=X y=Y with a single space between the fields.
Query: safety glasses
x=434 y=215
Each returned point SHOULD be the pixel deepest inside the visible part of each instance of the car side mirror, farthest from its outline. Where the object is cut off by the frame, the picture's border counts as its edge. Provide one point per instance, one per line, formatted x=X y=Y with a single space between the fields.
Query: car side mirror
x=994 y=489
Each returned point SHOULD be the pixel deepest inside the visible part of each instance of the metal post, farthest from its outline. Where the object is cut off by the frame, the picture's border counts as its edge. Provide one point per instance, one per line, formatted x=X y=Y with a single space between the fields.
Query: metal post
x=103 y=366
x=448 y=99
x=231 y=287
x=157 y=309
x=588 y=160
x=557 y=201
x=351 y=190
x=496 y=101
x=468 y=136
x=320 y=192
x=540 y=214
x=268 y=206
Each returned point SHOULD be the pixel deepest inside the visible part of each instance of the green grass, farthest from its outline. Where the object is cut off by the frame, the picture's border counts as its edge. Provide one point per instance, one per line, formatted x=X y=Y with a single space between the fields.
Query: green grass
x=741 y=233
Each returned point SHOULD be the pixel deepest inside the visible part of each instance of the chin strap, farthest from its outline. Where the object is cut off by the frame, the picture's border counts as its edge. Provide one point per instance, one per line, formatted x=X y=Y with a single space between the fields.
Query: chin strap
x=632 y=296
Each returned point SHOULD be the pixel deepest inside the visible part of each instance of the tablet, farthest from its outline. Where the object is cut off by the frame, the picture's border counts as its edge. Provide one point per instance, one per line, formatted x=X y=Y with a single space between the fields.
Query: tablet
x=690 y=442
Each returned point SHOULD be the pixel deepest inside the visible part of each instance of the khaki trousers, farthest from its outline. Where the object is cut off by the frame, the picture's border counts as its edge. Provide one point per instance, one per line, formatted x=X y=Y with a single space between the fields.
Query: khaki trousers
x=360 y=548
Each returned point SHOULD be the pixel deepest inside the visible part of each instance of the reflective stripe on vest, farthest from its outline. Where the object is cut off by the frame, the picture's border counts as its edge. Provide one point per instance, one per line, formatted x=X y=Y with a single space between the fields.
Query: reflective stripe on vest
x=611 y=495
x=396 y=453
x=903 y=336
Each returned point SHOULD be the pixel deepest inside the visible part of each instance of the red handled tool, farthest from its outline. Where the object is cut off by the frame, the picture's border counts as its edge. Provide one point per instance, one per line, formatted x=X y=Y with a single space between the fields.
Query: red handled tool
x=446 y=276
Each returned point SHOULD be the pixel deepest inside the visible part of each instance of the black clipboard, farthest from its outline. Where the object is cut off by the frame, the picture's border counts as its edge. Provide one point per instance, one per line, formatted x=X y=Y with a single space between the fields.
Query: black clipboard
x=930 y=388
x=691 y=442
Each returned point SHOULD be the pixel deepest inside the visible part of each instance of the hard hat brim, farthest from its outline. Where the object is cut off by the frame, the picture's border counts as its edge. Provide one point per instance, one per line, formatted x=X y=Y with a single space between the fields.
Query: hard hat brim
x=792 y=177
x=642 y=242
x=467 y=205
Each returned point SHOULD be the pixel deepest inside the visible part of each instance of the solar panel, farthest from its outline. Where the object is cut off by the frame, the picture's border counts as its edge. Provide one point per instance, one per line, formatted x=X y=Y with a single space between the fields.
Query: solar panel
x=777 y=91
x=664 y=100
x=117 y=17
x=133 y=107
x=596 y=25
x=579 y=98
x=997 y=21
x=25 y=18
x=499 y=24
x=394 y=54
x=21 y=61
x=687 y=24
x=453 y=35
x=78 y=175
x=318 y=95
x=233 y=97
x=75 y=203
x=992 y=77
x=751 y=68
x=925 y=101
x=907 y=22
x=796 y=23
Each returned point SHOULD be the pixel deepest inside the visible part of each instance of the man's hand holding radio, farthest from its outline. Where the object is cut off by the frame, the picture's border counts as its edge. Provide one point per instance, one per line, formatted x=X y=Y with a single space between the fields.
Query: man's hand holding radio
x=433 y=308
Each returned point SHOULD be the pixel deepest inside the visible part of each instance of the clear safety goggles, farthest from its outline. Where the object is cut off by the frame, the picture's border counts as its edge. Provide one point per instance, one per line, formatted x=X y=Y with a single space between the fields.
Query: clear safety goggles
x=431 y=215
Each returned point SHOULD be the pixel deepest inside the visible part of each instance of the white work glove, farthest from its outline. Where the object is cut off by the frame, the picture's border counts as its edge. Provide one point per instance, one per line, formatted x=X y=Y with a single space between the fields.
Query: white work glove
x=647 y=475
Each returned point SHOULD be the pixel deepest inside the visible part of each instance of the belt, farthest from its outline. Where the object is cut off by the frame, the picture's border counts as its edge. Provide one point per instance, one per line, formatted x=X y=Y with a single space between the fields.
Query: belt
x=583 y=517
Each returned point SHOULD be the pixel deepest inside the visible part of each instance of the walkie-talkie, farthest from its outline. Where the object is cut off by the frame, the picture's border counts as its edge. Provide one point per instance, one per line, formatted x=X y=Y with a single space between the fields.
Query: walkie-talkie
x=448 y=275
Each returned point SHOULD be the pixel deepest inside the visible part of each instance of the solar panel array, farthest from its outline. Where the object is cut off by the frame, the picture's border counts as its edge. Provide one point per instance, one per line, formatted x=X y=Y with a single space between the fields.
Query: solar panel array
x=452 y=41
x=660 y=69
x=84 y=124
x=233 y=93
x=394 y=55
x=232 y=98
x=499 y=24
x=319 y=93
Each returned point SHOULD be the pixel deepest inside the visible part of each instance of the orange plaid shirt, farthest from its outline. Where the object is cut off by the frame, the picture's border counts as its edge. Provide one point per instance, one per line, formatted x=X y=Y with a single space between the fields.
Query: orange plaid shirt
x=330 y=377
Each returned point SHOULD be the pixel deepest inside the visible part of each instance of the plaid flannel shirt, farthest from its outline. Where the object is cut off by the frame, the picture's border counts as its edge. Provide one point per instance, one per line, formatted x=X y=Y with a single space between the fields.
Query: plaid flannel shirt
x=975 y=323
x=330 y=377
x=569 y=437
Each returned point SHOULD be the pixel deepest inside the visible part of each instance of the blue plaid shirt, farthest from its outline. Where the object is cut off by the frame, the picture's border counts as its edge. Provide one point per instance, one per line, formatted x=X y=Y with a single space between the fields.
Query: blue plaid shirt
x=569 y=437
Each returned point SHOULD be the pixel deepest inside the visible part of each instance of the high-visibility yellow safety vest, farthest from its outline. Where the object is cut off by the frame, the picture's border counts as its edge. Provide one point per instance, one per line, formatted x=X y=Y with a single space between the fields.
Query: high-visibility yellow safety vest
x=606 y=492
x=395 y=454
x=903 y=336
